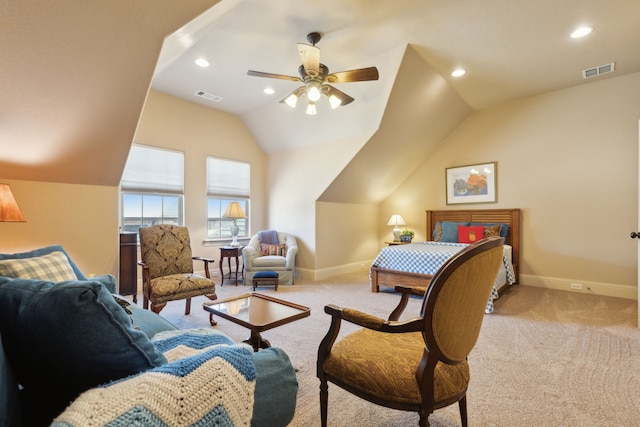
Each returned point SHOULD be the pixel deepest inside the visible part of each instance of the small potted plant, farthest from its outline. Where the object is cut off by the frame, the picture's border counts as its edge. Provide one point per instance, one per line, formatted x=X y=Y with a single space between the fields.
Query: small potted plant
x=406 y=235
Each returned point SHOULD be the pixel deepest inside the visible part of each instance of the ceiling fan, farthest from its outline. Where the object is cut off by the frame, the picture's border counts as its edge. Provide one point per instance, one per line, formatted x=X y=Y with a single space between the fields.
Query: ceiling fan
x=316 y=77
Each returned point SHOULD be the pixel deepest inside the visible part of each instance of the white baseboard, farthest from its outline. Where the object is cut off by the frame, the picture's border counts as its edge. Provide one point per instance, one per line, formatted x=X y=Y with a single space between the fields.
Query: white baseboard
x=596 y=288
x=583 y=286
x=327 y=273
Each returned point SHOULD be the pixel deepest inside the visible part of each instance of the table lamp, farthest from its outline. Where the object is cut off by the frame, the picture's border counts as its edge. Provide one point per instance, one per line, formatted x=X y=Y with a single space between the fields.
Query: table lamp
x=9 y=210
x=396 y=220
x=234 y=211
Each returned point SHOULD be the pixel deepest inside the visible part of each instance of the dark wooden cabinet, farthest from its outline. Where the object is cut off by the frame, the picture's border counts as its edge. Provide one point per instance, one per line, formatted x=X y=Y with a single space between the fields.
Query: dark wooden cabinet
x=128 y=282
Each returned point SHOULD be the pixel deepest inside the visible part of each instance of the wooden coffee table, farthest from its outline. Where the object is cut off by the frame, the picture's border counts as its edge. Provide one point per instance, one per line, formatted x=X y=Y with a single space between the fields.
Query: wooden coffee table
x=256 y=312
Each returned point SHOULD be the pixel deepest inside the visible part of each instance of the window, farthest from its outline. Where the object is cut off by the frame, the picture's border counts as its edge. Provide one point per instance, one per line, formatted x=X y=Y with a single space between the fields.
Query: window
x=227 y=181
x=152 y=188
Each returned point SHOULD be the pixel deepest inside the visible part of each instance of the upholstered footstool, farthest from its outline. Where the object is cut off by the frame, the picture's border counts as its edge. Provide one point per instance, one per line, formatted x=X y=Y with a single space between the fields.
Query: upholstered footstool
x=264 y=278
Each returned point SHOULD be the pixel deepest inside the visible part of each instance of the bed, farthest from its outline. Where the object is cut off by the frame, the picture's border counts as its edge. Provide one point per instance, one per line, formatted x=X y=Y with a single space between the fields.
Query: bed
x=414 y=264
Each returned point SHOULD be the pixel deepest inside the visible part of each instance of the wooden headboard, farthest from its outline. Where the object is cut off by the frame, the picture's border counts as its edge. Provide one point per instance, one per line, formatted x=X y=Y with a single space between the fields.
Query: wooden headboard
x=511 y=217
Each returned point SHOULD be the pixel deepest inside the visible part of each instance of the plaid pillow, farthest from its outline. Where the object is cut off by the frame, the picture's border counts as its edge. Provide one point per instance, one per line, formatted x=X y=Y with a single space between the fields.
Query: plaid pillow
x=279 y=250
x=53 y=267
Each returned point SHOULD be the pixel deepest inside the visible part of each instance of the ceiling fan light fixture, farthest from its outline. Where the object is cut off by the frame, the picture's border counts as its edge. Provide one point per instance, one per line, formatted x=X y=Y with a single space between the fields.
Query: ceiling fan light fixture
x=313 y=91
x=311 y=109
x=291 y=100
x=335 y=101
x=315 y=76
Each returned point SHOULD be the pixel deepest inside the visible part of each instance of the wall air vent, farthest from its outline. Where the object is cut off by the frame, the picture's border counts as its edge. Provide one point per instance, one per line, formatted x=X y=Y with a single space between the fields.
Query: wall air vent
x=208 y=96
x=596 y=71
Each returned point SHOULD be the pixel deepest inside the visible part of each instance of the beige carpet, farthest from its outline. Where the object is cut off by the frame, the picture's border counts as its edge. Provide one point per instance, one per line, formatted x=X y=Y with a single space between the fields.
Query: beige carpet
x=544 y=357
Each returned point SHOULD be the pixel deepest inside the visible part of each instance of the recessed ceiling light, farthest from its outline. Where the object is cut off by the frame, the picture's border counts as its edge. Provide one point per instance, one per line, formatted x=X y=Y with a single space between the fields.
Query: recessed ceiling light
x=269 y=91
x=201 y=62
x=459 y=72
x=581 y=32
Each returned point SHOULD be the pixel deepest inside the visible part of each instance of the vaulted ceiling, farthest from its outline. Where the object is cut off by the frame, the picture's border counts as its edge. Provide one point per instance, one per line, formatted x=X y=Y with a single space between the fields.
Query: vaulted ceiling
x=510 y=48
x=74 y=75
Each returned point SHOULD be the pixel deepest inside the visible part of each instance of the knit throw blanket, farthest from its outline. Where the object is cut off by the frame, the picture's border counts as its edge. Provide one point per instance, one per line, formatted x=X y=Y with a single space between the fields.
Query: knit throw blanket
x=209 y=381
x=268 y=237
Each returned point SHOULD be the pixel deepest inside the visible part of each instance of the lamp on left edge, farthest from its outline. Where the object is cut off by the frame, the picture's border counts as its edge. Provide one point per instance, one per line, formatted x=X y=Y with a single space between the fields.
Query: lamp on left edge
x=234 y=211
x=9 y=210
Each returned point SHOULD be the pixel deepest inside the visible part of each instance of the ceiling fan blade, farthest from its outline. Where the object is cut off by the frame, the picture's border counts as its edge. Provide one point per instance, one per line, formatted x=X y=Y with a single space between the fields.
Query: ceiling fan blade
x=310 y=56
x=359 y=75
x=273 y=76
x=332 y=91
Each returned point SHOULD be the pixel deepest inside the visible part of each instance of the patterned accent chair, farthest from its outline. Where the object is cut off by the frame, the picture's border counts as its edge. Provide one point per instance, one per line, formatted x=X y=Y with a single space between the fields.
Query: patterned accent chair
x=418 y=364
x=167 y=268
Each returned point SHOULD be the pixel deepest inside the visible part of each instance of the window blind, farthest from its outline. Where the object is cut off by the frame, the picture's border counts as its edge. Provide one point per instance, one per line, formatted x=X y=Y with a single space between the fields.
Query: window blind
x=150 y=169
x=227 y=178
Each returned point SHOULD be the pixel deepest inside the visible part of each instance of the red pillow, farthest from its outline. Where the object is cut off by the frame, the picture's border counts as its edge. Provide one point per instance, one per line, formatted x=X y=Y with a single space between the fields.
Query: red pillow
x=470 y=234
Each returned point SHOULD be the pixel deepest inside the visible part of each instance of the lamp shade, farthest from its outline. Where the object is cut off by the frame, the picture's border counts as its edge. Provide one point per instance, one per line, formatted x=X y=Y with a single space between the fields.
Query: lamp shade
x=396 y=220
x=9 y=210
x=234 y=210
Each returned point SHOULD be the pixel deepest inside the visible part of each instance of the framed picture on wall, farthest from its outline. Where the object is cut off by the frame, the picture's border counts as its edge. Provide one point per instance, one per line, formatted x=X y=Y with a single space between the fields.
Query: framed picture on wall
x=472 y=184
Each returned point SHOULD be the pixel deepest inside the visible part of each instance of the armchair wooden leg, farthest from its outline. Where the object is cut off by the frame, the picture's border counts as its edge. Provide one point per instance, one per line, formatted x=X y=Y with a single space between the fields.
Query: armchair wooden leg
x=156 y=308
x=462 y=403
x=324 y=402
x=424 y=420
x=187 y=308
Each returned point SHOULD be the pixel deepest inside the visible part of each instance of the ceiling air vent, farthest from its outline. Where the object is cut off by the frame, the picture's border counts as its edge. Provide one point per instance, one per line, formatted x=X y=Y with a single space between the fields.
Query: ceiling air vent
x=208 y=96
x=596 y=71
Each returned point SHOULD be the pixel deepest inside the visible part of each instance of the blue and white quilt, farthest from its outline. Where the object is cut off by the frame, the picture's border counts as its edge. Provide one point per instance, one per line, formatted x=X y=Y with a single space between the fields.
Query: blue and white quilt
x=209 y=381
x=427 y=257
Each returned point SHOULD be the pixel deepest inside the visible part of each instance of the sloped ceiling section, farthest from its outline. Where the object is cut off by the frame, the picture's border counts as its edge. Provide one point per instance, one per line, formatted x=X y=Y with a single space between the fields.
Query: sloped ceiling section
x=74 y=78
x=421 y=111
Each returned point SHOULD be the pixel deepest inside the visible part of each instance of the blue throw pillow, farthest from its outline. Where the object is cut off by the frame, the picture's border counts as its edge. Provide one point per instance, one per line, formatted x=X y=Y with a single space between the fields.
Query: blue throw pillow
x=64 y=338
x=276 y=388
x=450 y=231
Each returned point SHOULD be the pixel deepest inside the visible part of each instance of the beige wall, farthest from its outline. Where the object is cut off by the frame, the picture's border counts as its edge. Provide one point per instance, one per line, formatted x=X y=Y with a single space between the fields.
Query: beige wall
x=343 y=244
x=296 y=179
x=81 y=218
x=569 y=160
x=199 y=132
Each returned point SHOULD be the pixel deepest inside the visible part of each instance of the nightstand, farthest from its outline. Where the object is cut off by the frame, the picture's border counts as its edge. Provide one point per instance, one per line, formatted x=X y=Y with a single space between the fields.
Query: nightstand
x=397 y=243
x=231 y=252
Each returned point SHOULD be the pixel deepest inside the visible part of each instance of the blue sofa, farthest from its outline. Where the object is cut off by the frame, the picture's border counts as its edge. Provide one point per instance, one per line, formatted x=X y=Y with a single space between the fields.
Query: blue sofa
x=72 y=340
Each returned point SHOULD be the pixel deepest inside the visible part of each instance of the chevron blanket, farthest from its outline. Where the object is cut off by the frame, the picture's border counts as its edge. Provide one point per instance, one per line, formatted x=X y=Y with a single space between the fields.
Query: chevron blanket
x=209 y=380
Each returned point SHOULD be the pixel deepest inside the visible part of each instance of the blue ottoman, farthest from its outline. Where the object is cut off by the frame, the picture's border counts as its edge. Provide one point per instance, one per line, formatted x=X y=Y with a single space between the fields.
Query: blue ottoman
x=264 y=278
